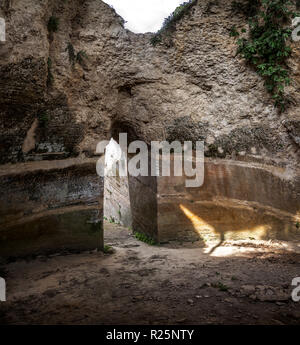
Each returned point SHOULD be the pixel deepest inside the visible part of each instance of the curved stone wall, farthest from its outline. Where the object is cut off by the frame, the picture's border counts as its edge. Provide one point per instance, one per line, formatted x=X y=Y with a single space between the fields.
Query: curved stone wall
x=237 y=200
x=49 y=207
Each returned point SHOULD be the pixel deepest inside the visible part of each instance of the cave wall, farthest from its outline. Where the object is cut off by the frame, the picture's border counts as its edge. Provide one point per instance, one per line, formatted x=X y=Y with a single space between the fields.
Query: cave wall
x=190 y=87
x=50 y=207
x=236 y=201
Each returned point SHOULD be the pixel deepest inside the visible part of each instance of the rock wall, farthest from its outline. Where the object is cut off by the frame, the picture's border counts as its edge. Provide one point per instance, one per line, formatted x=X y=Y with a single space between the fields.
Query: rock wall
x=189 y=87
x=237 y=200
x=49 y=207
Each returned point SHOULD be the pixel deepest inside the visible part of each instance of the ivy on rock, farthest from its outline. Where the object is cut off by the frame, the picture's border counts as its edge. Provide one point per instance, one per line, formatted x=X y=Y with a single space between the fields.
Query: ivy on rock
x=266 y=48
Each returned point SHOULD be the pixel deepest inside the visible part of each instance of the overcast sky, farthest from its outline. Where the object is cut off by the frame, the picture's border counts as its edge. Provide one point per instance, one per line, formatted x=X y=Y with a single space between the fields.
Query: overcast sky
x=144 y=15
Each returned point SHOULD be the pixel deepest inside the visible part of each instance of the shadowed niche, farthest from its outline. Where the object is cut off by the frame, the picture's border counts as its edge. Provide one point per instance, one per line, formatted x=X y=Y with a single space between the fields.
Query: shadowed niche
x=130 y=200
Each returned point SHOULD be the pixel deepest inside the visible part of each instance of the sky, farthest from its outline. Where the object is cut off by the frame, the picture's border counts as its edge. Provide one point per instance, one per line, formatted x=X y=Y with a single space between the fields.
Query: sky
x=144 y=15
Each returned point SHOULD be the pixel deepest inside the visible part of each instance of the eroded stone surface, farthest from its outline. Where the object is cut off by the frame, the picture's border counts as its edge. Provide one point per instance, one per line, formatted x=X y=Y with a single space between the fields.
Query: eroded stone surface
x=195 y=79
x=45 y=207
x=189 y=87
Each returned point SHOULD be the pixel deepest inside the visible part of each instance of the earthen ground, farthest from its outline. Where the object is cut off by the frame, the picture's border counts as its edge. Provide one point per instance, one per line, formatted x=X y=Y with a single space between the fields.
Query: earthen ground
x=241 y=282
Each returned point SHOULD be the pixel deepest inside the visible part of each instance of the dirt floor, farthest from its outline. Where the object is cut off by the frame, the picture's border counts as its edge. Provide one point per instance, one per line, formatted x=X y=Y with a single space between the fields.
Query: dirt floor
x=245 y=282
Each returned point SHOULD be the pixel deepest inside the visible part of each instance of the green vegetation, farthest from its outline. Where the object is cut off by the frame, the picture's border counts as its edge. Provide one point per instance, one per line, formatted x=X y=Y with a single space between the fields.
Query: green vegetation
x=298 y=225
x=248 y=9
x=107 y=249
x=50 y=77
x=53 y=24
x=234 y=32
x=266 y=47
x=96 y=227
x=144 y=238
x=170 y=22
x=220 y=286
x=156 y=39
x=71 y=53
x=112 y=220
x=119 y=212
x=43 y=119
x=73 y=57
x=81 y=55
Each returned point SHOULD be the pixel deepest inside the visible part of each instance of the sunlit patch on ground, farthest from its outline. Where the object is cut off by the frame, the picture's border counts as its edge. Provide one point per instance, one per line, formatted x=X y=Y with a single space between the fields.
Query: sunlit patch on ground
x=239 y=282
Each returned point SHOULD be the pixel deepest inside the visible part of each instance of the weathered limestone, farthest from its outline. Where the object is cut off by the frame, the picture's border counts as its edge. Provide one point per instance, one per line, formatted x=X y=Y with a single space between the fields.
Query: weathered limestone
x=143 y=201
x=50 y=206
x=189 y=87
x=116 y=200
x=237 y=200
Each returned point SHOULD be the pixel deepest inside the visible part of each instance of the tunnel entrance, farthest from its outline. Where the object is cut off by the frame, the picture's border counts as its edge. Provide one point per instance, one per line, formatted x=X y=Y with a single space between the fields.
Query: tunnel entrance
x=117 y=207
x=129 y=200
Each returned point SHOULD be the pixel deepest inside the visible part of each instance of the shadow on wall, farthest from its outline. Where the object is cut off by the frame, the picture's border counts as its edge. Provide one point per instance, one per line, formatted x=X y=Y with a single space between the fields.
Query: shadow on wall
x=231 y=220
x=238 y=200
